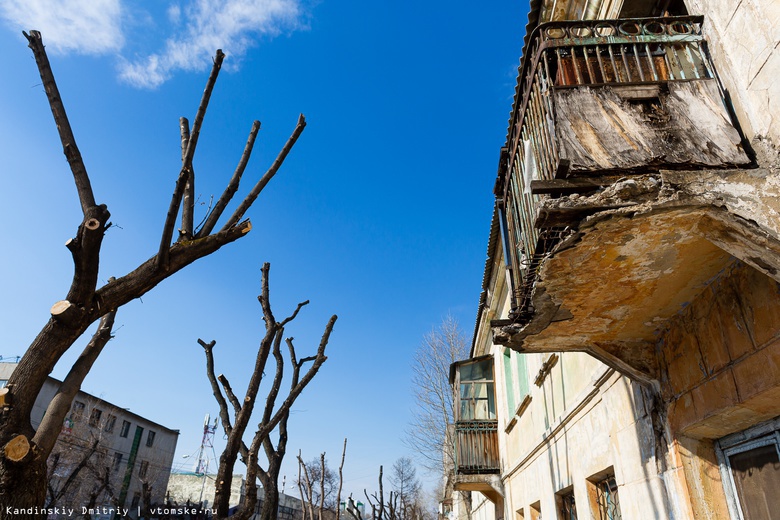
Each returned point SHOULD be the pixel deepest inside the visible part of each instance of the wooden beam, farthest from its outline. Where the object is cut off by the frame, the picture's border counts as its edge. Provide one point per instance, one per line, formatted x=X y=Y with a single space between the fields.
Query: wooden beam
x=562 y=217
x=576 y=185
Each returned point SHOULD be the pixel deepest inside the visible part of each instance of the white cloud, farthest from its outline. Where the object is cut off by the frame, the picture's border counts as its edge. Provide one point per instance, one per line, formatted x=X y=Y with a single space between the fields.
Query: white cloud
x=208 y=25
x=80 y=26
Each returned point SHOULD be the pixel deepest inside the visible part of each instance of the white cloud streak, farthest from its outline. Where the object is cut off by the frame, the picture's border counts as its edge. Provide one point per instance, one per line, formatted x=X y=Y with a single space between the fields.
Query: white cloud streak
x=80 y=26
x=208 y=25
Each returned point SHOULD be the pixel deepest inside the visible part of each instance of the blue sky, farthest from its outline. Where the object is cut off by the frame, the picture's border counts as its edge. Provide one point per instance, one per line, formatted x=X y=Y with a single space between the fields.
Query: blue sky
x=380 y=214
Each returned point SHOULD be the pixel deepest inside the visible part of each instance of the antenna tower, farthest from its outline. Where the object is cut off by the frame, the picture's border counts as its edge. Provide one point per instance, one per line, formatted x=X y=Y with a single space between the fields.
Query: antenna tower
x=207 y=442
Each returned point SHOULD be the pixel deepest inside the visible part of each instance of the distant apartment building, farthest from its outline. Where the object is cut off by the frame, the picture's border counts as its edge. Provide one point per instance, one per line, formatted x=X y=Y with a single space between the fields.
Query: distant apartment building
x=106 y=456
x=626 y=357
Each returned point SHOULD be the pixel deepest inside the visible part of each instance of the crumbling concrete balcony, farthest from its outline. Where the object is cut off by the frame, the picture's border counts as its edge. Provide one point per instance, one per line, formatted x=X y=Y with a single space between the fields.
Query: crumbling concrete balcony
x=624 y=189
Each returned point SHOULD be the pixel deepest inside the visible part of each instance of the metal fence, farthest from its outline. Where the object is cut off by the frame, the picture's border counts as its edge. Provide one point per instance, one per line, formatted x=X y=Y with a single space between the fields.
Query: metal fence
x=476 y=447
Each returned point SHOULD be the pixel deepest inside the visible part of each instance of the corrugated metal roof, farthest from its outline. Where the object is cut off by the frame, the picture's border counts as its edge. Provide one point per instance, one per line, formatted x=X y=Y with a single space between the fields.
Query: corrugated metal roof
x=535 y=8
x=488 y=273
x=533 y=20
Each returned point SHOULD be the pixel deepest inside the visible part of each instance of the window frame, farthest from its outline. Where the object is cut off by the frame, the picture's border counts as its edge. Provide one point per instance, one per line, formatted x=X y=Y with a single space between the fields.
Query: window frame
x=110 y=423
x=764 y=434
x=489 y=389
x=77 y=410
x=117 y=463
x=94 y=417
x=594 y=484
x=562 y=498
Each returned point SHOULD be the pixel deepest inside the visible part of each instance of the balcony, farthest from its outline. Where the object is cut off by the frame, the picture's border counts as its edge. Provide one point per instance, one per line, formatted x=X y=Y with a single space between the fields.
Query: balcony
x=476 y=447
x=476 y=457
x=619 y=187
x=597 y=101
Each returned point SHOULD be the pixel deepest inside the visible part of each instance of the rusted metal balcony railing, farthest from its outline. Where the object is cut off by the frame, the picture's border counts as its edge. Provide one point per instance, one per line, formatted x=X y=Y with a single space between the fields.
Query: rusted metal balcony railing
x=476 y=447
x=597 y=53
x=578 y=74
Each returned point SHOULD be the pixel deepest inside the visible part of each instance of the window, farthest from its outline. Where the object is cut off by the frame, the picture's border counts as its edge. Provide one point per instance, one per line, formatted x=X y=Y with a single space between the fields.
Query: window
x=477 y=391
x=567 y=505
x=110 y=423
x=117 y=461
x=535 y=510
x=750 y=469
x=78 y=410
x=516 y=380
x=125 y=429
x=94 y=416
x=150 y=438
x=607 y=500
x=143 y=469
x=136 y=501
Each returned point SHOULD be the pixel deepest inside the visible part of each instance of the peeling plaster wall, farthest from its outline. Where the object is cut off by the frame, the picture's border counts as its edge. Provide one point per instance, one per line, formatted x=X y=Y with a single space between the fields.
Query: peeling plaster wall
x=608 y=425
x=744 y=38
x=720 y=357
x=720 y=370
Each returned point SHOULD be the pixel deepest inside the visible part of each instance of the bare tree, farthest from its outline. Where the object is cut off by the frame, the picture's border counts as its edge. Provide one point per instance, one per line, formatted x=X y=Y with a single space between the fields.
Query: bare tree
x=319 y=483
x=25 y=450
x=382 y=509
x=341 y=480
x=429 y=433
x=273 y=416
x=407 y=488
x=405 y=501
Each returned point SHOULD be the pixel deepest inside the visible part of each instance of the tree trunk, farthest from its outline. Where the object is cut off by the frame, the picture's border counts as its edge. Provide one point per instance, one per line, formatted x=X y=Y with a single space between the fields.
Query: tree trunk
x=270 y=499
x=23 y=488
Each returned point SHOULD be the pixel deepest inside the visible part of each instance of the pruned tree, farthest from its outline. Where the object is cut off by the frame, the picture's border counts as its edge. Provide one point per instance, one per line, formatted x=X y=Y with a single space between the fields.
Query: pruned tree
x=24 y=450
x=405 y=500
x=319 y=488
x=273 y=416
x=429 y=433
x=341 y=480
x=382 y=509
x=318 y=484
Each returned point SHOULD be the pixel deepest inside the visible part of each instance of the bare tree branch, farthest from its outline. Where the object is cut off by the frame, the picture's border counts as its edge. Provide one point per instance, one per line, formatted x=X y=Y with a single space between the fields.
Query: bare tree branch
x=186 y=169
x=188 y=205
x=429 y=434
x=232 y=186
x=55 y=496
x=224 y=414
x=341 y=480
x=322 y=486
x=72 y=153
x=310 y=493
x=229 y=392
x=58 y=408
x=266 y=178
